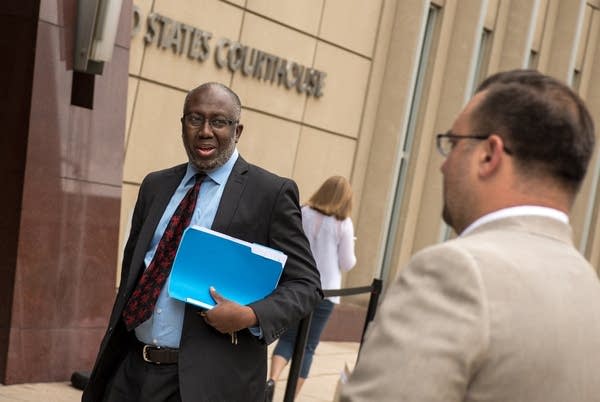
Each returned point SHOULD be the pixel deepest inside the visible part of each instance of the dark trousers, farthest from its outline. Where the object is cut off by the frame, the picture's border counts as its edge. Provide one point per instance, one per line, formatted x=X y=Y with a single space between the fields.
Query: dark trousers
x=139 y=381
x=285 y=346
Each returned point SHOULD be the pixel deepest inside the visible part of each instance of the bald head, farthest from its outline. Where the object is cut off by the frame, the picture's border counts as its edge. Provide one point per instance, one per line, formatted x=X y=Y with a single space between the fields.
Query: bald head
x=237 y=104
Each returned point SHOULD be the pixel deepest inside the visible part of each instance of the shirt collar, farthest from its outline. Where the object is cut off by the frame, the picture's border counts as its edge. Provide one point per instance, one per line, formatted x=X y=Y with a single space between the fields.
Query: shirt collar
x=218 y=175
x=517 y=211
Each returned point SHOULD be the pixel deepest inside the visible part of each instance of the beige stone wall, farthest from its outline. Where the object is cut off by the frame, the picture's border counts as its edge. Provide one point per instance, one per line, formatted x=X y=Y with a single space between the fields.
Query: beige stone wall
x=557 y=37
x=397 y=73
x=292 y=134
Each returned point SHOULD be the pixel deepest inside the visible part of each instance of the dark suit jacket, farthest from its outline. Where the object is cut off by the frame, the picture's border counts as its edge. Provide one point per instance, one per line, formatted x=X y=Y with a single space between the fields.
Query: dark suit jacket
x=256 y=206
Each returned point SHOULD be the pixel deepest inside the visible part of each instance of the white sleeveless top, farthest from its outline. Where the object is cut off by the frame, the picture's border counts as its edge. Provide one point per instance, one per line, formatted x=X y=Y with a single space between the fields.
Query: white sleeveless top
x=332 y=245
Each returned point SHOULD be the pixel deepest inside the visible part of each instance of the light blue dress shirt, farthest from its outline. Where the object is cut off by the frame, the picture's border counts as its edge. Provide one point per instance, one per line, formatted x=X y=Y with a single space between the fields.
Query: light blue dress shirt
x=163 y=328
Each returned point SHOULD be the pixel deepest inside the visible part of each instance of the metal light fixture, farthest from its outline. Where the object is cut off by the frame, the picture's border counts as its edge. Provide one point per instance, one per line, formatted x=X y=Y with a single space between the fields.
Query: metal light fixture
x=97 y=23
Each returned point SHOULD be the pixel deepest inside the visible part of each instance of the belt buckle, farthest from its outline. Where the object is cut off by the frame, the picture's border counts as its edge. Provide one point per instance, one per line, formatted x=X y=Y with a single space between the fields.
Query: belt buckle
x=145 y=354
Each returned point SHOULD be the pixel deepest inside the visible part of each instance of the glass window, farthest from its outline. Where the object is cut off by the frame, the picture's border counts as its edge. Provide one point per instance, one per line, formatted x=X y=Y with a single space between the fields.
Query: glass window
x=408 y=139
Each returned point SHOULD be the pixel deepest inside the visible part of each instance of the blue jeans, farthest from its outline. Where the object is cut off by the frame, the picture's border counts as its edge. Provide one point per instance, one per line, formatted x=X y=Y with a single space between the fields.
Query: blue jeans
x=285 y=346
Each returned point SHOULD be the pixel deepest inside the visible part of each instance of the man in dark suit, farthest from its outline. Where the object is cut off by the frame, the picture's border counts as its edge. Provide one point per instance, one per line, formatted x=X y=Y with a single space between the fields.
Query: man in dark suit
x=160 y=349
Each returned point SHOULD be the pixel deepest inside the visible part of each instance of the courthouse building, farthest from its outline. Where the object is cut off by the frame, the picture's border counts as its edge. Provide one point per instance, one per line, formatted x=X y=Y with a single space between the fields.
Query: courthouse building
x=350 y=87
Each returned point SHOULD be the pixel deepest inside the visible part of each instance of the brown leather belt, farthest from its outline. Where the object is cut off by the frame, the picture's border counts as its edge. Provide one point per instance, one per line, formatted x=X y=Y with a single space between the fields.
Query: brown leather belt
x=157 y=354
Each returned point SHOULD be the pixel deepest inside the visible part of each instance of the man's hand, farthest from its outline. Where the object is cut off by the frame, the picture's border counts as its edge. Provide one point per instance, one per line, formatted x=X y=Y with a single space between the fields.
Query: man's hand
x=228 y=316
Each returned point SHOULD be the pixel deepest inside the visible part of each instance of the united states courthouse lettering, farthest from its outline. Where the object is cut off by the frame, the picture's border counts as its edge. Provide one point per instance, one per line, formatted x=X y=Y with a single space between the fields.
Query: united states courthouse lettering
x=166 y=33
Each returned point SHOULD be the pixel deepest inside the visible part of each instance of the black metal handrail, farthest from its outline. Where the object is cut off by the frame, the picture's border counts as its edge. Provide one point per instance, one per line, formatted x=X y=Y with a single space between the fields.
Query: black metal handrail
x=304 y=326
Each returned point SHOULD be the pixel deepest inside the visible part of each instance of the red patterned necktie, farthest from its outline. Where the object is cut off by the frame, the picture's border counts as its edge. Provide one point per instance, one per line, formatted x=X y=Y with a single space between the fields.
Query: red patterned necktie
x=143 y=299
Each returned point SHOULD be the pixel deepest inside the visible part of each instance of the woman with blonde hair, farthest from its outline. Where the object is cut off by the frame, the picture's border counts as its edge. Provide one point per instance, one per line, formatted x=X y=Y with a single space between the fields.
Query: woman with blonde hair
x=327 y=224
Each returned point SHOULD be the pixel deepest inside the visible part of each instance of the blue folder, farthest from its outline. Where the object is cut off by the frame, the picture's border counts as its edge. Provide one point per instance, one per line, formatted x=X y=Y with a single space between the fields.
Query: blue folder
x=240 y=271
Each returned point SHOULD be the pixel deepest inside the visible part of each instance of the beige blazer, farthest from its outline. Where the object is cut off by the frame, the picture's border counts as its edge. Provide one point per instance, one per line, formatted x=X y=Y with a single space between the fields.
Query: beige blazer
x=509 y=312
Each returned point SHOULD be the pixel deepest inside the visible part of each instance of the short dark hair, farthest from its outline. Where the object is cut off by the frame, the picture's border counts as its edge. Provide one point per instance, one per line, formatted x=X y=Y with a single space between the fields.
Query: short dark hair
x=544 y=123
x=234 y=97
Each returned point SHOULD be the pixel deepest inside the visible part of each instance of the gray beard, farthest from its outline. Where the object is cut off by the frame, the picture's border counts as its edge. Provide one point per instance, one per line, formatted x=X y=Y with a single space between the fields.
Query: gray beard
x=220 y=160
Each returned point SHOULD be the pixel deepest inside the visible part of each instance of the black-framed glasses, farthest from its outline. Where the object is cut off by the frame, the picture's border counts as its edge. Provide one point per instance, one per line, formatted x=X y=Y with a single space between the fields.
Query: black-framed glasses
x=198 y=120
x=446 y=142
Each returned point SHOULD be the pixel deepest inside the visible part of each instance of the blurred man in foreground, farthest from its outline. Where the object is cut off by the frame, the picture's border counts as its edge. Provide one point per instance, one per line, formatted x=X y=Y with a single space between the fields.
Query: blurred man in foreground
x=508 y=311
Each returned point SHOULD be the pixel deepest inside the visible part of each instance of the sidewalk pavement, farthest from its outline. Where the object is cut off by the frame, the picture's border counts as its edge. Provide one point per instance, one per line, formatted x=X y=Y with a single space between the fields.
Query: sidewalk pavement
x=328 y=362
